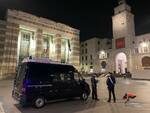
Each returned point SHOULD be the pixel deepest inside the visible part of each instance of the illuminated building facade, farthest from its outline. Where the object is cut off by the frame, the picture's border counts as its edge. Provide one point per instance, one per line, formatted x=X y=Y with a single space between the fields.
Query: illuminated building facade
x=89 y=57
x=129 y=52
x=23 y=35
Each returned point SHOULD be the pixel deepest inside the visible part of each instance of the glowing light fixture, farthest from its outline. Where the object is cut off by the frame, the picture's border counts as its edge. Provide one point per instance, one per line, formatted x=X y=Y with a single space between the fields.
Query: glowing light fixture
x=102 y=55
x=144 y=44
x=102 y=52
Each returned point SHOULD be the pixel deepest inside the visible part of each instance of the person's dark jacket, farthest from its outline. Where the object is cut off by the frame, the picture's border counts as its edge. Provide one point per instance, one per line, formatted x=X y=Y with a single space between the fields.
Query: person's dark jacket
x=94 y=82
x=110 y=83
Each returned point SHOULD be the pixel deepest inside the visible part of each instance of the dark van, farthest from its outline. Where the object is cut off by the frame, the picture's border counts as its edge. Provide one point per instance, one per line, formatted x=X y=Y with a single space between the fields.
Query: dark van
x=38 y=81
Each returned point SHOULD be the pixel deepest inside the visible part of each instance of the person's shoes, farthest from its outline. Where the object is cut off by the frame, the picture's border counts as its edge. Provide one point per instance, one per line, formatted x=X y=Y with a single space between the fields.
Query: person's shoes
x=97 y=99
x=114 y=101
x=108 y=100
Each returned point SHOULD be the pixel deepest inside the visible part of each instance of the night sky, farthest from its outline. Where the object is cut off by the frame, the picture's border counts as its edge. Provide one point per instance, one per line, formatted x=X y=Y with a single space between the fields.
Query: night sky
x=91 y=17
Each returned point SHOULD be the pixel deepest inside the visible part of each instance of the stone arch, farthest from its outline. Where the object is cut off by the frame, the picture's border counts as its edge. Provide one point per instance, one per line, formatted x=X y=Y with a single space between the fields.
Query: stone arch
x=146 y=61
x=121 y=62
x=103 y=64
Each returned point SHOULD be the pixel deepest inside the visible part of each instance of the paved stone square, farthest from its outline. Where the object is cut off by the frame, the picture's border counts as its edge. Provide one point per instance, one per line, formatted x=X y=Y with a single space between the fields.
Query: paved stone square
x=139 y=105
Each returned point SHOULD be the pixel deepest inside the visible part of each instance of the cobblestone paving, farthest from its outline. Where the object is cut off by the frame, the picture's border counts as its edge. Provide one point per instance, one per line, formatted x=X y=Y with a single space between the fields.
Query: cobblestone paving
x=141 y=104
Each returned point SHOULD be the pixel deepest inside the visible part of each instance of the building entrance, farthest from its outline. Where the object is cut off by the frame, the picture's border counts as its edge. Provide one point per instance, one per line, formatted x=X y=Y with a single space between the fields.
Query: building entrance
x=121 y=63
x=146 y=62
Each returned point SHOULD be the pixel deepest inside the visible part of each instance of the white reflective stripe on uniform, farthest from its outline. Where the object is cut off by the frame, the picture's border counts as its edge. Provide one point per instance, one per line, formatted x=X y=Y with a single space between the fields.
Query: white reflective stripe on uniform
x=47 y=85
x=111 y=80
x=1 y=108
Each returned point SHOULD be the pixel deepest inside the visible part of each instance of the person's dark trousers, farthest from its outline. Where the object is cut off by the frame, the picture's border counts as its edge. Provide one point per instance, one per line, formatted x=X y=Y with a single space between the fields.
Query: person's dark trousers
x=94 y=93
x=111 y=90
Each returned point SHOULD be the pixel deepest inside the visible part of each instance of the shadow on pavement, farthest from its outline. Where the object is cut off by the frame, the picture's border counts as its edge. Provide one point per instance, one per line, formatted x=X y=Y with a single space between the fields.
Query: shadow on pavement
x=63 y=106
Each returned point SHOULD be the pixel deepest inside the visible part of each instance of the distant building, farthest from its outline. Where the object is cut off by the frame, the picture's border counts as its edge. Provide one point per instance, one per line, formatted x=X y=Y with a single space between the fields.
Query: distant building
x=89 y=49
x=129 y=52
x=23 y=35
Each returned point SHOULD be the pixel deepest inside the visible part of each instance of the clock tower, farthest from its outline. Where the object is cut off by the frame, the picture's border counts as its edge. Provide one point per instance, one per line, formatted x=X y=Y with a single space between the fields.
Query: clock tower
x=123 y=26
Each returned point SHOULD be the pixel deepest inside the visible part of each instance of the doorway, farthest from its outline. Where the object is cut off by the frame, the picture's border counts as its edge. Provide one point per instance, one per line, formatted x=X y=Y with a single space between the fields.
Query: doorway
x=121 y=63
x=146 y=62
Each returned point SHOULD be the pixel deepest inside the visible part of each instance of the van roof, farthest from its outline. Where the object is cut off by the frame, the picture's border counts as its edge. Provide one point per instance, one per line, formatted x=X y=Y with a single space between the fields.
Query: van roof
x=42 y=60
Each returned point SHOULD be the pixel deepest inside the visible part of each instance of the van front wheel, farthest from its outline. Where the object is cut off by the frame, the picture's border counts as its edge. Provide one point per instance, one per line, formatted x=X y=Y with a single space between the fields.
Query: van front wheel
x=84 y=96
x=39 y=102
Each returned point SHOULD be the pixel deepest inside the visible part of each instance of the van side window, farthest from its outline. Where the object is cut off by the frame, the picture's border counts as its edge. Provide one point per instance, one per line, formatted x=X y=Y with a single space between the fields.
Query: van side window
x=67 y=77
x=49 y=77
x=62 y=76
x=76 y=76
x=56 y=77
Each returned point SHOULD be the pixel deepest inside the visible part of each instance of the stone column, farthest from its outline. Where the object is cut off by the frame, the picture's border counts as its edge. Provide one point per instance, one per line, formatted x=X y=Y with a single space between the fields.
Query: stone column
x=75 y=52
x=58 y=47
x=129 y=60
x=9 y=57
x=2 y=40
x=39 y=40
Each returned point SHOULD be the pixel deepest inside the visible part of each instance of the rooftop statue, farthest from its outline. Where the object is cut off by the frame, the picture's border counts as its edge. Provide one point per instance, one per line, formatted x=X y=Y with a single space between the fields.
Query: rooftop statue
x=121 y=1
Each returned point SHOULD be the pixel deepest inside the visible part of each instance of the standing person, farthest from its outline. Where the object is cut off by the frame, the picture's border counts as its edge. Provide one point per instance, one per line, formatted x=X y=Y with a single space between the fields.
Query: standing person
x=94 y=87
x=111 y=86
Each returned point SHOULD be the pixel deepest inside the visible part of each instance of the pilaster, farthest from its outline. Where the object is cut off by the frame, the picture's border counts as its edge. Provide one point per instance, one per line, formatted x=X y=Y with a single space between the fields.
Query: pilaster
x=75 y=52
x=9 y=56
x=39 y=40
x=58 y=47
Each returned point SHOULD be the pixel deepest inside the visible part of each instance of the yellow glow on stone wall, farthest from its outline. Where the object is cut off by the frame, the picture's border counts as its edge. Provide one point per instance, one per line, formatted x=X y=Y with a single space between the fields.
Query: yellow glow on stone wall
x=144 y=44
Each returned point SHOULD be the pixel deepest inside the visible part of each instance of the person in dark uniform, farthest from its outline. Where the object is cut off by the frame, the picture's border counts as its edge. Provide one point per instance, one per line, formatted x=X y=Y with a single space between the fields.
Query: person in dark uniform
x=111 y=86
x=94 y=87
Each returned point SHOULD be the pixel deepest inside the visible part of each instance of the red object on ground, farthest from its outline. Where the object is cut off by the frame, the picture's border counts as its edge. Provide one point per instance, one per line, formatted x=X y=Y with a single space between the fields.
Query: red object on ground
x=129 y=95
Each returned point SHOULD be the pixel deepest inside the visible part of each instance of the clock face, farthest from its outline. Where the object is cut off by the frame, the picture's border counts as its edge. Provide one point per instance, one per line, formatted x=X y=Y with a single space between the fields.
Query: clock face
x=119 y=21
x=122 y=22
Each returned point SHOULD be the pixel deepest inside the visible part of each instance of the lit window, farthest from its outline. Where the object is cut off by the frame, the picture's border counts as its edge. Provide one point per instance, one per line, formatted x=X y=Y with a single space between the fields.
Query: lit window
x=143 y=47
x=103 y=55
x=48 y=46
x=26 y=44
x=65 y=49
